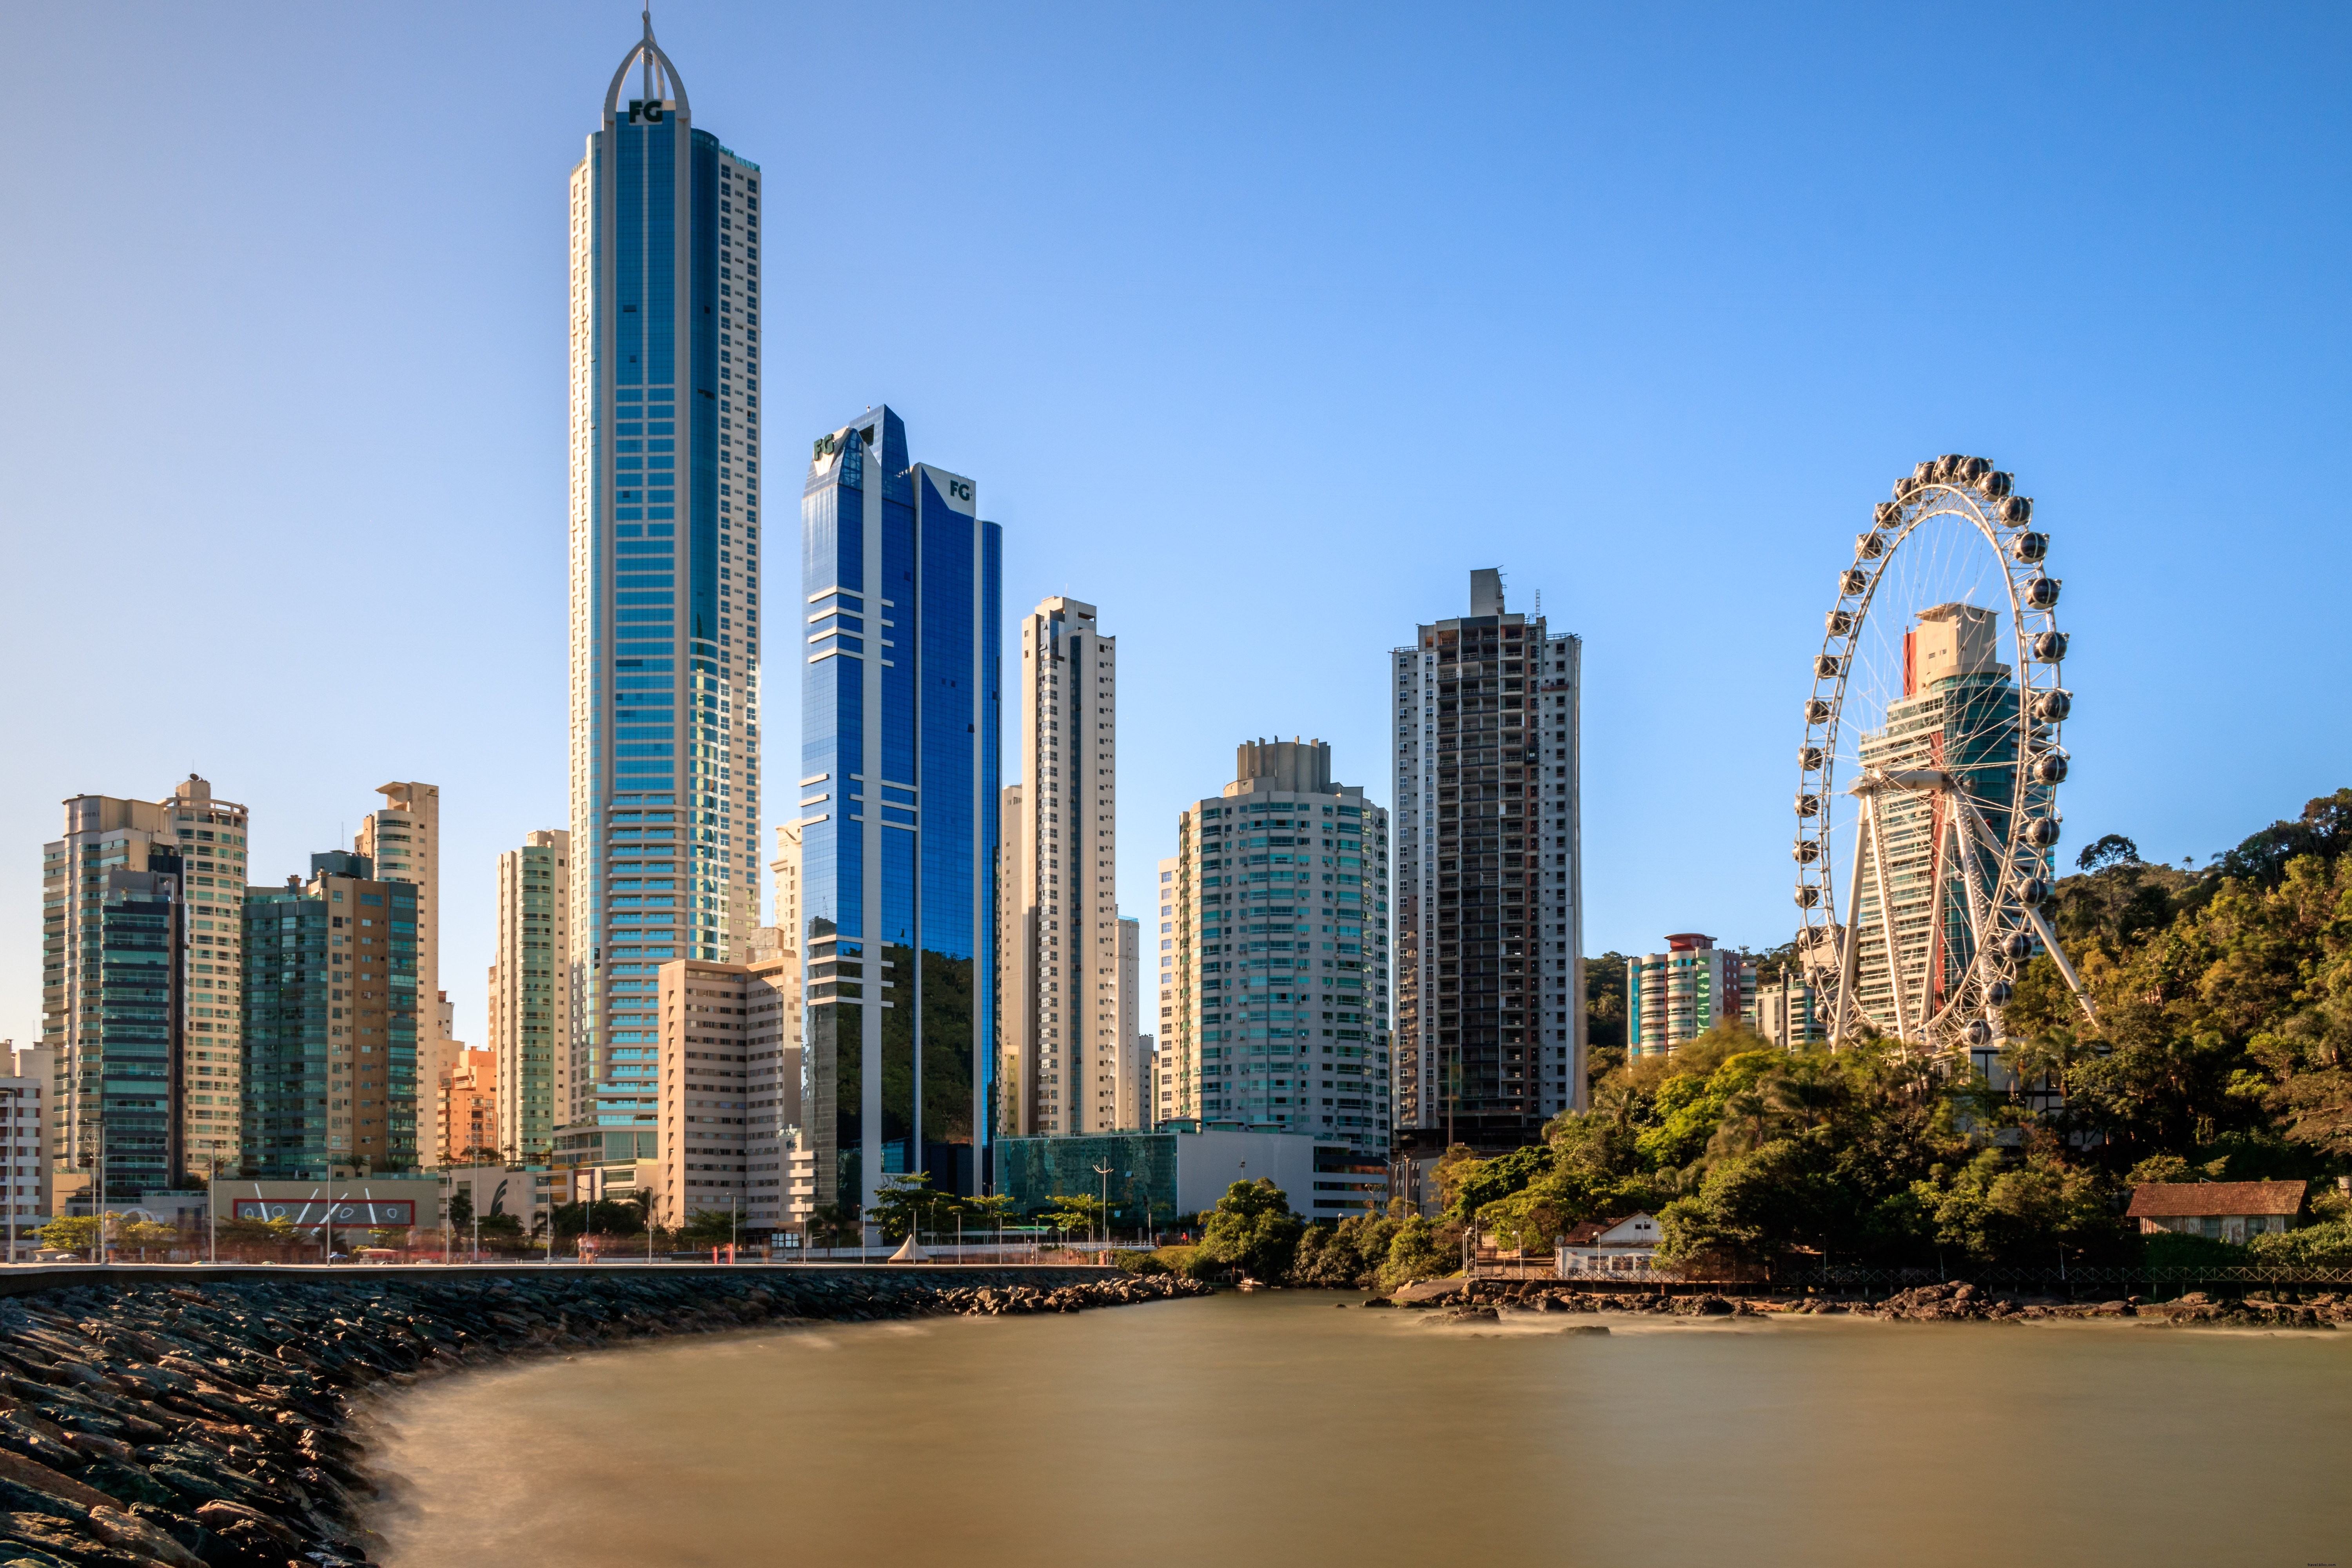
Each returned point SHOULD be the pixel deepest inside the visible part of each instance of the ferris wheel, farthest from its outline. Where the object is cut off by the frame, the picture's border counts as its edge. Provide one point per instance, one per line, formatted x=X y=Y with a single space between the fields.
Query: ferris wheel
x=1930 y=765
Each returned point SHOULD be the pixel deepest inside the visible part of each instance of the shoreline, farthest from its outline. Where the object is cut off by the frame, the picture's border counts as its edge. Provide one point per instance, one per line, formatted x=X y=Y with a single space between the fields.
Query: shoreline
x=209 y=1423
x=1486 y=1301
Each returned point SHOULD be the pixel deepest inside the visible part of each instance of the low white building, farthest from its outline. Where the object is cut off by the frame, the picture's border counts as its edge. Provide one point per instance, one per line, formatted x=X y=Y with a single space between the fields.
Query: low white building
x=1627 y=1245
x=25 y=1197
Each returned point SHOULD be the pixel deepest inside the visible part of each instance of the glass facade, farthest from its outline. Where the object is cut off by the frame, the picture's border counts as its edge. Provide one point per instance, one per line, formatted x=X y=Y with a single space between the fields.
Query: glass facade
x=132 y=1076
x=664 y=580
x=1034 y=1172
x=898 y=765
x=331 y=1024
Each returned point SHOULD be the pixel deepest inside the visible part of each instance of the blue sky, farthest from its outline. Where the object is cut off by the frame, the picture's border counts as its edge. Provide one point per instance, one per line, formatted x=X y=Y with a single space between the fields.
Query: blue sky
x=1259 y=327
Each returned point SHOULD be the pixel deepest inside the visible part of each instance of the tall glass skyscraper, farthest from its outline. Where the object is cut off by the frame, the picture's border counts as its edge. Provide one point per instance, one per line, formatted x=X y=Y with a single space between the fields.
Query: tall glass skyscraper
x=901 y=585
x=664 y=576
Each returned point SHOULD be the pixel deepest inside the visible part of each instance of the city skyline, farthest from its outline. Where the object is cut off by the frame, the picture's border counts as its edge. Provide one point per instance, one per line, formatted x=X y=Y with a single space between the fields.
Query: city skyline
x=463 y=540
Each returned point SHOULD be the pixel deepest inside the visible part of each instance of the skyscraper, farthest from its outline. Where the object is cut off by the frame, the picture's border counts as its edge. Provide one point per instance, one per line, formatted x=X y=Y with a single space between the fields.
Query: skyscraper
x=1490 y=1014
x=141 y=1004
x=664 y=505
x=1281 y=957
x=401 y=840
x=898 y=813
x=1065 y=1054
x=1957 y=713
x=531 y=994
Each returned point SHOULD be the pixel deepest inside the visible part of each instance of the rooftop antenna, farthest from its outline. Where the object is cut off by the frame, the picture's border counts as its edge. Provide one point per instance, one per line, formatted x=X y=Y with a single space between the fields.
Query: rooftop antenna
x=646 y=55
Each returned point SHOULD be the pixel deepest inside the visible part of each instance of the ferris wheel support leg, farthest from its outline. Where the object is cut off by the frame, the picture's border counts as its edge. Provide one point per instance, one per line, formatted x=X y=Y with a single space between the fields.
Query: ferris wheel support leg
x=1886 y=921
x=2058 y=956
x=2040 y=927
x=1849 y=944
x=1979 y=903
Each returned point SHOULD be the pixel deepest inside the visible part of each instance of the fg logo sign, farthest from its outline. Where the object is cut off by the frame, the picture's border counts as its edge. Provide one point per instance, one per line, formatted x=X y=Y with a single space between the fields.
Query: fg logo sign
x=647 y=110
x=960 y=489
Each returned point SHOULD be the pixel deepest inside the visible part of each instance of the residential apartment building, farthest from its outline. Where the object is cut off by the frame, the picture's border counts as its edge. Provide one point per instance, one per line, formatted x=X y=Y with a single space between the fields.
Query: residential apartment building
x=1684 y=992
x=663 y=578
x=1280 y=970
x=1490 y=1001
x=1787 y=1012
x=773 y=1132
x=900 y=588
x=1163 y=1067
x=708 y=1135
x=469 y=1111
x=1957 y=714
x=786 y=870
x=1065 y=1054
x=401 y=840
x=531 y=994
x=27 y=1082
x=330 y=1024
x=140 y=942
x=1134 y=1096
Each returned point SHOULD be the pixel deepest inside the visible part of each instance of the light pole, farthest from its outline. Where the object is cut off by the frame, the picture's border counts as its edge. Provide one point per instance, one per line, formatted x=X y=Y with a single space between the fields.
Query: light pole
x=1104 y=1172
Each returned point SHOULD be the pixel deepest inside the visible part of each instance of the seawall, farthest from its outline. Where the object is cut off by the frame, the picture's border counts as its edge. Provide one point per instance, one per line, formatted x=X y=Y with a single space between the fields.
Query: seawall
x=190 y=1416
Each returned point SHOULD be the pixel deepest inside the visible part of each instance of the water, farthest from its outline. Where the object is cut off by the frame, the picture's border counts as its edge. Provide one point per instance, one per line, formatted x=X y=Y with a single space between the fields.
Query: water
x=1274 y=1430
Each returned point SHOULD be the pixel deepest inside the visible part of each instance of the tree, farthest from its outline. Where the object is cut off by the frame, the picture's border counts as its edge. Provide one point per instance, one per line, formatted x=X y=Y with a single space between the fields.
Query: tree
x=1420 y=1250
x=2115 y=850
x=1083 y=1213
x=71 y=1233
x=1253 y=1231
x=709 y=1227
x=461 y=1208
x=1348 y=1254
x=606 y=1216
x=904 y=1200
x=835 y=1225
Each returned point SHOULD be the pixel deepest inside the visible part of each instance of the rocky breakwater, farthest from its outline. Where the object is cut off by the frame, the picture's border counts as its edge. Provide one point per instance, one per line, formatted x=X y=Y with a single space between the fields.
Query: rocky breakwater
x=146 y=1423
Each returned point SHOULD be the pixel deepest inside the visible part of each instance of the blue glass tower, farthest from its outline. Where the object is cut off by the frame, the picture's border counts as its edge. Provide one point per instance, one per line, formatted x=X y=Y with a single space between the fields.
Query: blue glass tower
x=664 y=576
x=898 y=802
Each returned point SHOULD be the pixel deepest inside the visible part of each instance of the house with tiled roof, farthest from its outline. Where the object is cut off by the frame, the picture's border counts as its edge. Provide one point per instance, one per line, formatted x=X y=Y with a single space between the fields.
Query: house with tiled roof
x=2224 y=1211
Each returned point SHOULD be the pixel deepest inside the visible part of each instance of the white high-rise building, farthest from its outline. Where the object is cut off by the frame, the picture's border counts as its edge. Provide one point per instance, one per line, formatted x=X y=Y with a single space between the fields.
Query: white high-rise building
x=530 y=997
x=26 y=1083
x=1065 y=1057
x=1278 y=1006
x=1490 y=999
x=665 y=579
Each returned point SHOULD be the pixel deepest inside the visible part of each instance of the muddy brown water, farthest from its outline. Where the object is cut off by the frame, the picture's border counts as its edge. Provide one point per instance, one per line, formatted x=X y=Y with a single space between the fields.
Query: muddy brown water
x=1274 y=1429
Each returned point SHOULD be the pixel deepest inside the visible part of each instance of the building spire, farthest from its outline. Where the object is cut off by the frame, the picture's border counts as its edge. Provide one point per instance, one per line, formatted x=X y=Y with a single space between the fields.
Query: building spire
x=658 y=77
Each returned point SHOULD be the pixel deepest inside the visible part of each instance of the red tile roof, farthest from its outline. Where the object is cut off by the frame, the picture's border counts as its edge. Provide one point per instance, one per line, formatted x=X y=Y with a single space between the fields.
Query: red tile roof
x=2176 y=1200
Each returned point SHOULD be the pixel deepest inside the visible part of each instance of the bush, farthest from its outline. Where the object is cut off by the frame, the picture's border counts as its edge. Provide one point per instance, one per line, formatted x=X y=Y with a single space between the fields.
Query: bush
x=1129 y=1262
x=2326 y=1246
x=2168 y=1249
x=1421 y=1250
